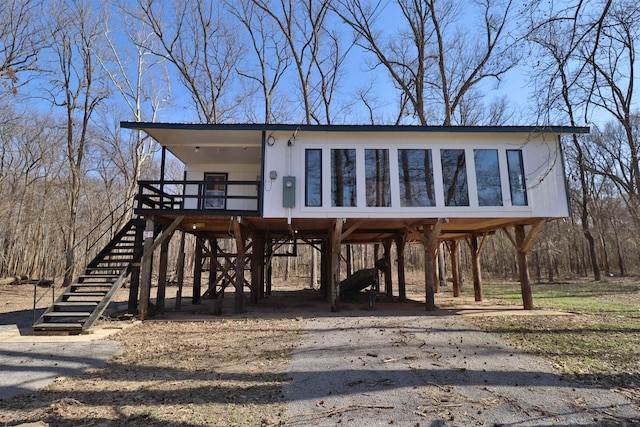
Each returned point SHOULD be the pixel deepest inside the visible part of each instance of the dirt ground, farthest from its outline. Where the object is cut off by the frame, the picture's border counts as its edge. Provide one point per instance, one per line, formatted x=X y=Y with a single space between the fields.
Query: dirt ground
x=193 y=368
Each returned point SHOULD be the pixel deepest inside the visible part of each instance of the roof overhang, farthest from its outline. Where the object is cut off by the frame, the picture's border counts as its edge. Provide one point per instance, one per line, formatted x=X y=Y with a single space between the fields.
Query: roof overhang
x=245 y=140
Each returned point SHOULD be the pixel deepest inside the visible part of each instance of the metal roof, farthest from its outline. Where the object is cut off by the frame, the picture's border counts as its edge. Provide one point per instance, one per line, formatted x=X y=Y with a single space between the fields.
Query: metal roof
x=352 y=128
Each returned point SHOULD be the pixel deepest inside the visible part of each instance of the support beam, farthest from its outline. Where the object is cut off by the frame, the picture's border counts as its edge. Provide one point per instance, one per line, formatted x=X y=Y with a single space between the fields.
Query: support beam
x=257 y=266
x=401 y=239
x=162 y=275
x=213 y=268
x=476 y=250
x=197 y=272
x=325 y=268
x=523 y=268
x=430 y=244
x=166 y=233
x=454 y=249
x=147 y=262
x=269 y=283
x=336 y=240
x=388 y=286
x=134 y=284
x=475 y=268
x=314 y=267
x=180 y=272
x=442 y=271
x=523 y=242
x=240 y=250
x=348 y=261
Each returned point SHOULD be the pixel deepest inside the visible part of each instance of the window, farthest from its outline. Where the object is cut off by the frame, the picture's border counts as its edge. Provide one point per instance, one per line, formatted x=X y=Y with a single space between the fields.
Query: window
x=376 y=166
x=517 y=182
x=343 y=177
x=415 y=169
x=454 y=178
x=488 y=177
x=313 y=178
x=215 y=191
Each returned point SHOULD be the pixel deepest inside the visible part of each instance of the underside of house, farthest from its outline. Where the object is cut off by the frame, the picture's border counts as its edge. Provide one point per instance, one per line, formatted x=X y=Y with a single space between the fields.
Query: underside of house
x=325 y=186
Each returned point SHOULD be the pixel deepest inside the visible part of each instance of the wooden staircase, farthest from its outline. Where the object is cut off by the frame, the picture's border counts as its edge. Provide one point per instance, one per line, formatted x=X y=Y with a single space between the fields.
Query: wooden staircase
x=78 y=308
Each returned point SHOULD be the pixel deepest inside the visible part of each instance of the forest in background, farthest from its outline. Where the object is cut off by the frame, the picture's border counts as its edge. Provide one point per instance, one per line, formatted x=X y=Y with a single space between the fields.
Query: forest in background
x=71 y=70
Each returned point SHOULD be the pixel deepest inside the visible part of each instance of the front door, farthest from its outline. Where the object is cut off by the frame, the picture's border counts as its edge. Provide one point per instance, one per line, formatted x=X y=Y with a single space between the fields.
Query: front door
x=215 y=191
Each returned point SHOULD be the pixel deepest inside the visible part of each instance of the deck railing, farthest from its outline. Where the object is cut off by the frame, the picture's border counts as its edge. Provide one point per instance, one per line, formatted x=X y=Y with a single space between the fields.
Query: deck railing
x=238 y=197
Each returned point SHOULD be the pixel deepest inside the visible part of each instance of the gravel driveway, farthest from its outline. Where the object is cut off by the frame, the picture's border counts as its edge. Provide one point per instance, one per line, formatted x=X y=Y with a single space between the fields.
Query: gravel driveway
x=432 y=371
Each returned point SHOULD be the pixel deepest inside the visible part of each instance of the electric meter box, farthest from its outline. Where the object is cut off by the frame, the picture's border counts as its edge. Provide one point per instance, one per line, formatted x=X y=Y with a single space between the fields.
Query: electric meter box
x=288 y=191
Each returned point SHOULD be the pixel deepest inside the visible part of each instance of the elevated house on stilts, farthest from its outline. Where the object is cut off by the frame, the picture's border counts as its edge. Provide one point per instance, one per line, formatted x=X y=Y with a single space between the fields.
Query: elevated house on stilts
x=328 y=186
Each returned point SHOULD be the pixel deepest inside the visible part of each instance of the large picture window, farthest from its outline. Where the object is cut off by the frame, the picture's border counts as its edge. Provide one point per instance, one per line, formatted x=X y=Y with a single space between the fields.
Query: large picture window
x=378 y=183
x=454 y=178
x=415 y=169
x=313 y=178
x=517 y=182
x=488 y=177
x=215 y=191
x=343 y=177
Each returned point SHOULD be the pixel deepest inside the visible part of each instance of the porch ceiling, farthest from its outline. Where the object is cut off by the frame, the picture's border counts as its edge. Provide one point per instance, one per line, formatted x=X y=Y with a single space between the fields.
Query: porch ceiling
x=365 y=230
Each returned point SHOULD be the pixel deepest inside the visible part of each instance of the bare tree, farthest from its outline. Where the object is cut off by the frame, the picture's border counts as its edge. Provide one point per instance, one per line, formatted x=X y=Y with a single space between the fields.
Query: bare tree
x=317 y=51
x=142 y=82
x=612 y=89
x=77 y=87
x=270 y=48
x=199 y=40
x=433 y=62
x=560 y=73
x=29 y=174
x=21 y=39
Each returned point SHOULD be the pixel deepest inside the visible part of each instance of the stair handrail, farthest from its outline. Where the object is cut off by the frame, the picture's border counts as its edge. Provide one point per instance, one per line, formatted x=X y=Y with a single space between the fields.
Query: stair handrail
x=56 y=265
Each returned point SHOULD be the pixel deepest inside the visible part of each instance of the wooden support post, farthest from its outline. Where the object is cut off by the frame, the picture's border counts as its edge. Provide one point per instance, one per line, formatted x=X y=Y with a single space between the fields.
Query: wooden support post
x=180 y=272
x=134 y=284
x=476 y=250
x=349 y=261
x=402 y=284
x=197 y=272
x=428 y=279
x=269 y=268
x=475 y=269
x=162 y=276
x=213 y=258
x=240 y=253
x=336 y=240
x=388 y=286
x=325 y=268
x=257 y=266
x=147 y=263
x=454 y=248
x=430 y=243
x=314 y=269
x=523 y=243
x=442 y=271
x=436 y=274
x=523 y=268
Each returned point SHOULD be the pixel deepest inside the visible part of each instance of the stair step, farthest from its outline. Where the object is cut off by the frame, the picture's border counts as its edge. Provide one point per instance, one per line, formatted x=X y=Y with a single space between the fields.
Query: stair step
x=68 y=314
x=97 y=295
x=119 y=263
x=84 y=286
x=69 y=304
x=56 y=326
x=99 y=276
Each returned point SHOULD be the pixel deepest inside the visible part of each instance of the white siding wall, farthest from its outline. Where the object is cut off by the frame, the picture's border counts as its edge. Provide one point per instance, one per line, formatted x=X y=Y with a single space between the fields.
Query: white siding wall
x=543 y=169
